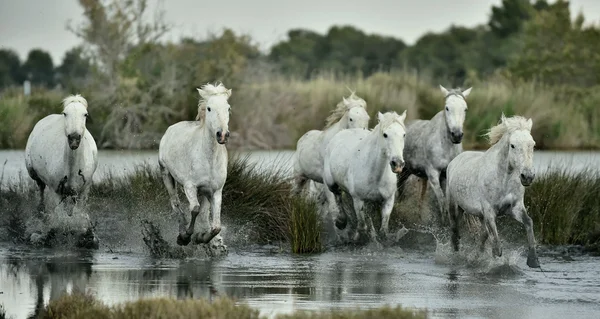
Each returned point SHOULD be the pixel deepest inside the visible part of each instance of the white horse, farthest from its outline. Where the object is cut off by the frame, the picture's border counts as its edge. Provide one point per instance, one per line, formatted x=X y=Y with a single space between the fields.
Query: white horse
x=432 y=144
x=62 y=154
x=193 y=154
x=364 y=164
x=310 y=150
x=492 y=183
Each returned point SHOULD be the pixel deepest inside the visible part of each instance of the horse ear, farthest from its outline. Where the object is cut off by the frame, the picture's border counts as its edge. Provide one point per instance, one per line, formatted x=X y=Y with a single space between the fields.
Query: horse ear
x=201 y=92
x=530 y=124
x=443 y=90
x=345 y=101
x=379 y=116
x=403 y=116
x=229 y=93
x=466 y=92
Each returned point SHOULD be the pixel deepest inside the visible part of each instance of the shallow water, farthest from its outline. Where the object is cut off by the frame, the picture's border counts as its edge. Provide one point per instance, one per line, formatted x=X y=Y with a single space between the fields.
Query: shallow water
x=119 y=163
x=275 y=281
x=279 y=282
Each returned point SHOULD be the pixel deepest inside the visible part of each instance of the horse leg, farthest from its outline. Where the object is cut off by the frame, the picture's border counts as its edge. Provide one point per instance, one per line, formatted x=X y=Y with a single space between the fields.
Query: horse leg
x=423 y=191
x=433 y=177
x=300 y=184
x=198 y=237
x=386 y=212
x=519 y=213
x=185 y=236
x=489 y=218
x=359 y=206
x=41 y=185
x=453 y=215
x=215 y=206
x=341 y=221
x=402 y=177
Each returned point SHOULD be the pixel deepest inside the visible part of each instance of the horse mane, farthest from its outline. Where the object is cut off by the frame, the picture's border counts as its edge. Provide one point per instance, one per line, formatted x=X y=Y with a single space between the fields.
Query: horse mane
x=77 y=98
x=209 y=91
x=389 y=118
x=344 y=106
x=507 y=125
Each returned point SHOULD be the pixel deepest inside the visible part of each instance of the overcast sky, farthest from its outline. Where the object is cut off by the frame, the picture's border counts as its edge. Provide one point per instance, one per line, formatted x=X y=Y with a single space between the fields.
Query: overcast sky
x=27 y=24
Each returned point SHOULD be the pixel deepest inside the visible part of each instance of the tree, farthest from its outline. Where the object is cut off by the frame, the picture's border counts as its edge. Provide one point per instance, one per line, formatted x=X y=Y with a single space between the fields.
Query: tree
x=10 y=68
x=74 y=70
x=509 y=18
x=39 y=68
x=558 y=51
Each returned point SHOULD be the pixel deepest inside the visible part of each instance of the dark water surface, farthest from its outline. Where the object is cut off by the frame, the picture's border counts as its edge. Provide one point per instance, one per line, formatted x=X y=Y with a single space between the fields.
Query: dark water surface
x=274 y=281
x=279 y=282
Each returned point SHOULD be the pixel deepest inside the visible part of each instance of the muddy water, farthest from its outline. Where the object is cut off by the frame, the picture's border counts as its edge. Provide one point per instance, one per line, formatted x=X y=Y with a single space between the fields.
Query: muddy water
x=274 y=281
x=279 y=282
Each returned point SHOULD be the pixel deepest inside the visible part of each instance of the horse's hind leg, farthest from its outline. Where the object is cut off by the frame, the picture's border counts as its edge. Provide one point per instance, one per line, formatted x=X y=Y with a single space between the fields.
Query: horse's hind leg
x=41 y=186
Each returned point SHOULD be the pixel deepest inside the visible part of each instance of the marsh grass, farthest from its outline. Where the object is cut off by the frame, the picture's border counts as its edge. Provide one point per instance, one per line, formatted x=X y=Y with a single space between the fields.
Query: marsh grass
x=86 y=306
x=305 y=225
x=273 y=112
x=565 y=207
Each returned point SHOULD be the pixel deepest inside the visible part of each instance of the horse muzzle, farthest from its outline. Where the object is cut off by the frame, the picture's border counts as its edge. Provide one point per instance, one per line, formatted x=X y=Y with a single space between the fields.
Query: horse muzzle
x=397 y=165
x=527 y=178
x=74 y=139
x=222 y=138
x=456 y=137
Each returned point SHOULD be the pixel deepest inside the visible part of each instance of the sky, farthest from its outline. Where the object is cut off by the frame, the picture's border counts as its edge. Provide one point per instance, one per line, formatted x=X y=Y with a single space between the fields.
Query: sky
x=28 y=24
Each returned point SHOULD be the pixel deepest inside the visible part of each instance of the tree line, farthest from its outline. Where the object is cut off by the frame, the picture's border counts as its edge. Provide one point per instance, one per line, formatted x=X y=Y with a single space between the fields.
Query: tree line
x=524 y=39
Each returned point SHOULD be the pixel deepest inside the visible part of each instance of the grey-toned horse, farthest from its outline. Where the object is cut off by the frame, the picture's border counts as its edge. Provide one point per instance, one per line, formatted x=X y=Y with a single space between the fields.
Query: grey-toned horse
x=492 y=183
x=431 y=144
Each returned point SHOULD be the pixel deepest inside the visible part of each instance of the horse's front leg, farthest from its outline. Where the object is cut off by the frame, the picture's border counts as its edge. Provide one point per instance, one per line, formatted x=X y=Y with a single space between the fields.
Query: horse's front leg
x=519 y=212
x=359 y=209
x=386 y=212
x=185 y=236
x=489 y=218
x=215 y=207
x=433 y=177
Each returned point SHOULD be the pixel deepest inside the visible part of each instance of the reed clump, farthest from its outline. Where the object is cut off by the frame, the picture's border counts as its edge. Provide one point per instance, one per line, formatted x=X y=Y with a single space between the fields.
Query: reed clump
x=80 y=305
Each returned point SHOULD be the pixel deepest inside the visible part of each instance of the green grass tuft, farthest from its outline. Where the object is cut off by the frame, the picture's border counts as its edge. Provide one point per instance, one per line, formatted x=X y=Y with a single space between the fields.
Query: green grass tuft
x=305 y=226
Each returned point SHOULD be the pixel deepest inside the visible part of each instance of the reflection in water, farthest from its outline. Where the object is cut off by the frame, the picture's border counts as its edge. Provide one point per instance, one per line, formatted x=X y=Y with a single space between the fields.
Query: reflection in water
x=282 y=283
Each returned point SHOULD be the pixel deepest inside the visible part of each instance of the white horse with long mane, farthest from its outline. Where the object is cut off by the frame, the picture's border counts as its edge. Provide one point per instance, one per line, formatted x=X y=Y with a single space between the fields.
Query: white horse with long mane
x=193 y=154
x=349 y=113
x=364 y=164
x=62 y=154
x=491 y=183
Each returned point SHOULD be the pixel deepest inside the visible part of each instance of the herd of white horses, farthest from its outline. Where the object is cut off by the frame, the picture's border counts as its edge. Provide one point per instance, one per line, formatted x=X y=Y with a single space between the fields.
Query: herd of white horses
x=346 y=157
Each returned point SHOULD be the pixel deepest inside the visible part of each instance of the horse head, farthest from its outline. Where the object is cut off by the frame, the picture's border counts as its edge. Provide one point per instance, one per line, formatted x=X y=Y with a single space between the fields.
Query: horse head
x=215 y=110
x=357 y=117
x=455 y=110
x=76 y=114
x=392 y=132
x=520 y=153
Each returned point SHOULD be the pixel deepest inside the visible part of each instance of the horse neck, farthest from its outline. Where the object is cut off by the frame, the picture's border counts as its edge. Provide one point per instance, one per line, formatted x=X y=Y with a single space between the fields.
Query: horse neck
x=331 y=131
x=376 y=160
x=441 y=127
x=202 y=141
x=74 y=158
x=498 y=157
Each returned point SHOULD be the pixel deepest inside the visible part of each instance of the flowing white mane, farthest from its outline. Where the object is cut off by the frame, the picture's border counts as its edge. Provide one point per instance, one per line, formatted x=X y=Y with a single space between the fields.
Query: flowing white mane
x=74 y=99
x=508 y=125
x=343 y=107
x=207 y=91
x=390 y=118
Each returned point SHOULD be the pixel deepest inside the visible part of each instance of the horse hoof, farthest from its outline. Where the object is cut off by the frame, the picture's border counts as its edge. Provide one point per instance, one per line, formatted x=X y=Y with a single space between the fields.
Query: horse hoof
x=206 y=237
x=532 y=260
x=183 y=240
x=341 y=223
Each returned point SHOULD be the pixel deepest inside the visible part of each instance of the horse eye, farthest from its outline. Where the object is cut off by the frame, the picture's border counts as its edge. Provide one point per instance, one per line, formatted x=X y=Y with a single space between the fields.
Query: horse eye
x=404 y=135
x=86 y=115
x=512 y=145
x=384 y=135
x=447 y=109
x=350 y=120
x=208 y=109
x=64 y=114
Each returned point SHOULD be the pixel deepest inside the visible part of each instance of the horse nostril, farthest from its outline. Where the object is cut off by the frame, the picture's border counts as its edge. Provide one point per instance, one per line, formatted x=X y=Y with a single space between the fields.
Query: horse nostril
x=523 y=176
x=219 y=134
